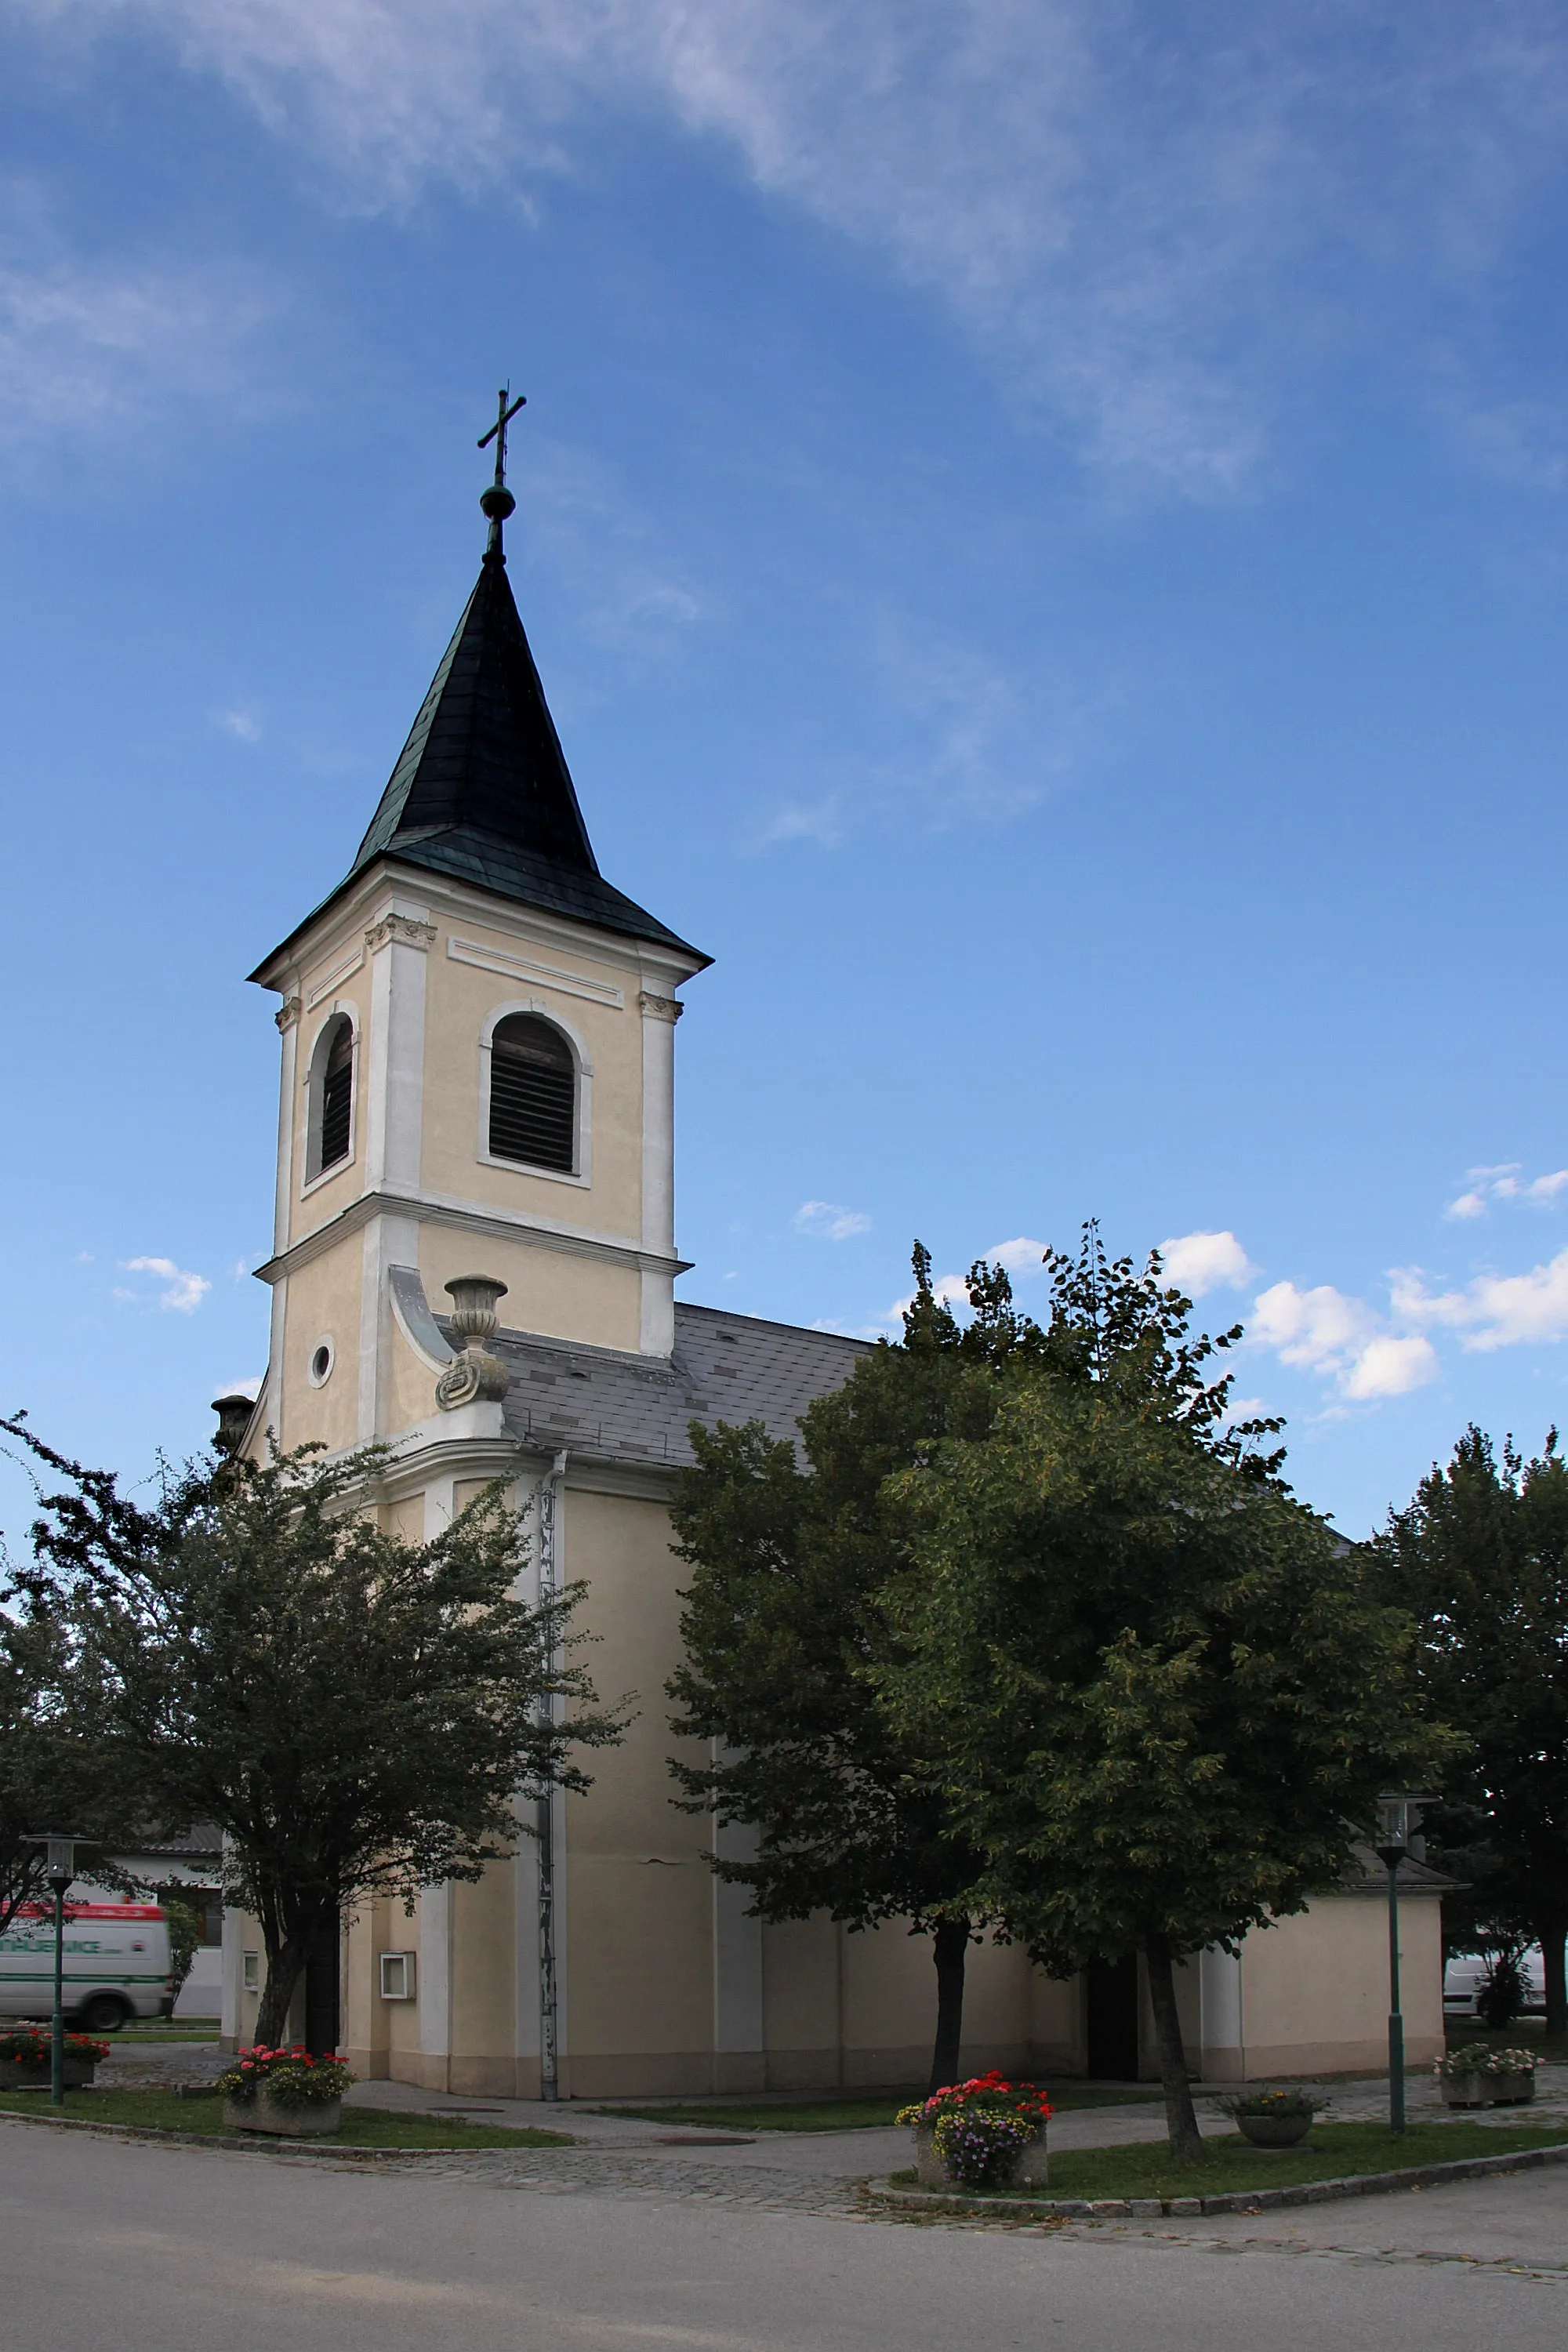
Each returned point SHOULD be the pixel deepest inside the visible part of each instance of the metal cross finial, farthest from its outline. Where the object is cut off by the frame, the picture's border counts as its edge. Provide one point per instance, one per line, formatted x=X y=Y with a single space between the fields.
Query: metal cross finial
x=497 y=433
x=498 y=501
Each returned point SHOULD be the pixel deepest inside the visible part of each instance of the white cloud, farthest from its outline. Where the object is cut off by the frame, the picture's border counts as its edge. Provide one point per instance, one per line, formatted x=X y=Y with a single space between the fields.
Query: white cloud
x=183 y=1292
x=1495 y=1311
x=1160 y=225
x=1390 y=1366
x=1023 y=1254
x=826 y=1221
x=1199 y=1263
x=818 y=821
x=1504 y=1182
x=1321 y=1331
x=92 y=350
x=244 y=723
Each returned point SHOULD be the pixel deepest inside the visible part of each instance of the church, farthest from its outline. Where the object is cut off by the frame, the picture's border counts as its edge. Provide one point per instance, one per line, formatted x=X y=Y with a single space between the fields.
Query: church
x=474 y=1262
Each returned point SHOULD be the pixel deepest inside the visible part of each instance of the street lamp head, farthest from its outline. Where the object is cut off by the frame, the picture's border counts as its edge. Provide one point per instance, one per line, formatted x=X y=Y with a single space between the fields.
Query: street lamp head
x=1399 y=1819
x=59 y=1859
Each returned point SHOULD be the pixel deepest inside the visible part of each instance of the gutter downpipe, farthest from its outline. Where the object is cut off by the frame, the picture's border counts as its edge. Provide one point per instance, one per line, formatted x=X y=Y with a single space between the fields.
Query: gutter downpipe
x=549 y=1590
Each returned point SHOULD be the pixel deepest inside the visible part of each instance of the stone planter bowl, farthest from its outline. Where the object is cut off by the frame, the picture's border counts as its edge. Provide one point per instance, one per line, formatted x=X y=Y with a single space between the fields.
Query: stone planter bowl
x=1488 y=2090
x=21 y=2075
x=1274 y=2131
x=1030 y=2167
x=265 y=2112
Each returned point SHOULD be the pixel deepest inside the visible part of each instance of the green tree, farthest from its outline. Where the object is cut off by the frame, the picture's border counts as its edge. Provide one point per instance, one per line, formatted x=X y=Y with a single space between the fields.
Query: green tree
x=1154 y=1688
x=184 y=1923
x=784 y=1616
x=360 y=1716
x=1481 y=1558
x=54 y=1773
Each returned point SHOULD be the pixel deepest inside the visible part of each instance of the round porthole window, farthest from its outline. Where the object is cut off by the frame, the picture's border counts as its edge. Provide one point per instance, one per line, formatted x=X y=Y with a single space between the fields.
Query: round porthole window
x=322 y=1362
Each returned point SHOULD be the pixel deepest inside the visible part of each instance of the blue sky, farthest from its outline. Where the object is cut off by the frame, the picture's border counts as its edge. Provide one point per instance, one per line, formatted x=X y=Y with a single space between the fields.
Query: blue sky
x=1045 y=533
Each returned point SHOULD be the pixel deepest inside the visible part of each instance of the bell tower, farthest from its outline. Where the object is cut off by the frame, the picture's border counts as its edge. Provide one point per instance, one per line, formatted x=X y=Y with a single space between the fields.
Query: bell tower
x=477 y=1067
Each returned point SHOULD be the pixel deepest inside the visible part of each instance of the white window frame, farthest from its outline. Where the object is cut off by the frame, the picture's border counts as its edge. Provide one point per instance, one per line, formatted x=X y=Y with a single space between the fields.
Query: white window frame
x=403 y=1967
x=250 y=1971
x=315 y=1074
x=581 y=1170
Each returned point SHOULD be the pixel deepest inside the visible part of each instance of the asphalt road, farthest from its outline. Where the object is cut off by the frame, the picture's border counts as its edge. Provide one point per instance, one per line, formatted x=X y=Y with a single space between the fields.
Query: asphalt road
x=153 y=2250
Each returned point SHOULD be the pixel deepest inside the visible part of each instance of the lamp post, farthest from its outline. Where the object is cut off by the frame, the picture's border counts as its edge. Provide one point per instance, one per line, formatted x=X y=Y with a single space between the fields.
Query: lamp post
x=1399 y=1817
x=59 y=1869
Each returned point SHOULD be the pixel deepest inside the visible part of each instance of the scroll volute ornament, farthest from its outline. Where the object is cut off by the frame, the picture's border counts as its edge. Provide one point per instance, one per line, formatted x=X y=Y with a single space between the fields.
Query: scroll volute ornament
x=475 y=1373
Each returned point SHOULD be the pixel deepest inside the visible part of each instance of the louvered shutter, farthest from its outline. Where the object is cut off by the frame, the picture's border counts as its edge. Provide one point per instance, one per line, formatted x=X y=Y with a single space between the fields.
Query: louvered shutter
x=534 y=1095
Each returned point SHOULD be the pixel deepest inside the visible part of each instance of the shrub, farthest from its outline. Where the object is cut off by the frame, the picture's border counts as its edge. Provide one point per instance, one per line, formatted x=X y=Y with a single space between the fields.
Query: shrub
x=30 y=2045
x=1482 y=2058
x=1273 y=2102
x=978 y=2127
x=293 y=2077
x=993 y=2092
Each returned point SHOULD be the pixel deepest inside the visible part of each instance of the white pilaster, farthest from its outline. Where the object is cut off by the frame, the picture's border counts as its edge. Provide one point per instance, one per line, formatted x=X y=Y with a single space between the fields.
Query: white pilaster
x=737 y=1960
x=1222 y=2031
x=659 y=1014
x=395 y=1082
x=386 y=1242
x=288 y=1020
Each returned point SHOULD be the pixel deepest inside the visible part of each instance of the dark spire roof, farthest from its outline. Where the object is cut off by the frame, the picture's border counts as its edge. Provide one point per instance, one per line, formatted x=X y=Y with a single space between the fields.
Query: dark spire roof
x=483 y=790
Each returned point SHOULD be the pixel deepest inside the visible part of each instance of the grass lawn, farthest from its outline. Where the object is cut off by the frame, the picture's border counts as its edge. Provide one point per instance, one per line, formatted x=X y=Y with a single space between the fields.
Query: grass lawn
x=1330 y=2152
x=853 y=2115
x=362 y=2126
x=148 y=2029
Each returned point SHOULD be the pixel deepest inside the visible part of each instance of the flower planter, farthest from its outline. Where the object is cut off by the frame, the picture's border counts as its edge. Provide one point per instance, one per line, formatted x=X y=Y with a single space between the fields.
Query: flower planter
x=1028 y=2168
x=21 y=2075
x=1274 y=2131
x=1488 y=2090
x=290 y=2119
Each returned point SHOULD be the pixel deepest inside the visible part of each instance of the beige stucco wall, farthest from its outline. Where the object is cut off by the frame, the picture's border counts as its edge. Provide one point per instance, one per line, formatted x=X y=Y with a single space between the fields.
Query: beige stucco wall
x=323 y=1303
x=460 y=998
x=554 y=1292
x=1314 y=1987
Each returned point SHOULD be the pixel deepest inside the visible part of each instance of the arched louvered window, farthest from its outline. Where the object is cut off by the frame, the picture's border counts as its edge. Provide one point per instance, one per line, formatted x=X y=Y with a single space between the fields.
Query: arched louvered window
x=534 y=1095
x=332 y=1097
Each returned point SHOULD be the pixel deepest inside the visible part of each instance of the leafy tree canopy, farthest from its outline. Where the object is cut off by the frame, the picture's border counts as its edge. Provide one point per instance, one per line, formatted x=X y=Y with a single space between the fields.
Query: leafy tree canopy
x=359 y=1716
x=1152 y=1688
x=1481 y=1557
x=784 y=1615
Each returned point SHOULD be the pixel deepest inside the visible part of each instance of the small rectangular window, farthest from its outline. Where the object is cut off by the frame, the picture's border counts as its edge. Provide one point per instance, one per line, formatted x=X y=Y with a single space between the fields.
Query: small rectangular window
x=253 y=1972
x=397 y=1976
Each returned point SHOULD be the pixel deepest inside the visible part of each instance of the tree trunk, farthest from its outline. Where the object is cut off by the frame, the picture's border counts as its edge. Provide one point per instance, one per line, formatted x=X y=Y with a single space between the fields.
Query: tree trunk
x=1181 y=2120
x=1551 y=1928
x=950 y=1950
x=283 y=1972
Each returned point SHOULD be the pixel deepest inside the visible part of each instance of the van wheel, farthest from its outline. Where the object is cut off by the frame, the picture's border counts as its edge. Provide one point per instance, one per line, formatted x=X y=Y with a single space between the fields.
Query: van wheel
x=104 y=2014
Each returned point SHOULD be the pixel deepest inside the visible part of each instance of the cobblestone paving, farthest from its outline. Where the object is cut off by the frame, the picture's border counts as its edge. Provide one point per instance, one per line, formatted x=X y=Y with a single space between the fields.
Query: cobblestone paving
x=760 y=2189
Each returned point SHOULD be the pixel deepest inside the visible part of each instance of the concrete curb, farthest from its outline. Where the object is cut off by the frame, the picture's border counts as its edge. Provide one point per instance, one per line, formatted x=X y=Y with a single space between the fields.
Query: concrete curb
x=1233 y=2201
x=253 y=2143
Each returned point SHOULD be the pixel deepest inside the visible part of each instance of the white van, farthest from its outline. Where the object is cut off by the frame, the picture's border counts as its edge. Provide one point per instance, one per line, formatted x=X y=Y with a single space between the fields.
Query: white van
x=116 y=1963
x=1464 y=1981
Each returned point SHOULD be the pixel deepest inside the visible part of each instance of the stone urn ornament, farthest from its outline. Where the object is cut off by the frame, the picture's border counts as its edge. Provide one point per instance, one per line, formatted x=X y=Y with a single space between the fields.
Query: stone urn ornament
x=475 y=1374
x=1274 y=2118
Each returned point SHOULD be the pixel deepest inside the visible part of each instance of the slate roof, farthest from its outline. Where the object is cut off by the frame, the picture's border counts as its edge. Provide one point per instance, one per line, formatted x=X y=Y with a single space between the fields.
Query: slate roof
x=481 y=790
x=636 y=1409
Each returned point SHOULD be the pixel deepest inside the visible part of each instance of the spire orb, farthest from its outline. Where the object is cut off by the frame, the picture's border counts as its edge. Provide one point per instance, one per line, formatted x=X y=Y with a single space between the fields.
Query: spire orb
x=497 y=502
